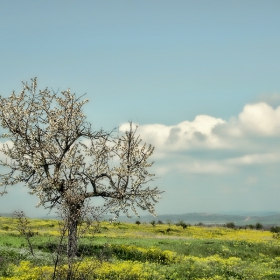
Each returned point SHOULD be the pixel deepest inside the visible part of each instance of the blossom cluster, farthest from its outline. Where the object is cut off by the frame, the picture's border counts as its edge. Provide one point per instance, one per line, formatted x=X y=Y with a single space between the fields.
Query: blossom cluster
x=56 y=154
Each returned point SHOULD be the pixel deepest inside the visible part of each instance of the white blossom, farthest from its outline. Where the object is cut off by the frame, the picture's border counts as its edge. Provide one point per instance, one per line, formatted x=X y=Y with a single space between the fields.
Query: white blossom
x=57 y=155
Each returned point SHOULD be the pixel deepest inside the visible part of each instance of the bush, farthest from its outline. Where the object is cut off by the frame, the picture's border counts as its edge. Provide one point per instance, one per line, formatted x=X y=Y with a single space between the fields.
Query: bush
x=8 y=257
x=153 y=223
x=182 y=224
x=230 y=225
x=251 y=226
x=259 y=226
x=275 y=229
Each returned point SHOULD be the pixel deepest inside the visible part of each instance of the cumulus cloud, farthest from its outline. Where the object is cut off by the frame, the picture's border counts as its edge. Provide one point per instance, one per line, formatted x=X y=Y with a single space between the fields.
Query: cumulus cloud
x=260 y=119
x=183 y=136
x=250 y=138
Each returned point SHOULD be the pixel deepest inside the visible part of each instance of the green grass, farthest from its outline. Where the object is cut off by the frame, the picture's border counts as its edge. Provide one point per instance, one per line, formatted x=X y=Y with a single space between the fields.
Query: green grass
x=177 y=253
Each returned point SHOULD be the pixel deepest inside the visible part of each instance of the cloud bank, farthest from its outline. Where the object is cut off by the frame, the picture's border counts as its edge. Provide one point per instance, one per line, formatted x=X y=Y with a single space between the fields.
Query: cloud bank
x=213 y=145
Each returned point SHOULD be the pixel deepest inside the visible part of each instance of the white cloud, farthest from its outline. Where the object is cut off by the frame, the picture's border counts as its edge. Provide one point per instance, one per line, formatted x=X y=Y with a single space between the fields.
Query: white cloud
x=189 y=165
x=244 y=140
x=183 y=136
x=260 y=119
x=255 y=120
x=125 y=126
x=255 y=159
x=205 y=167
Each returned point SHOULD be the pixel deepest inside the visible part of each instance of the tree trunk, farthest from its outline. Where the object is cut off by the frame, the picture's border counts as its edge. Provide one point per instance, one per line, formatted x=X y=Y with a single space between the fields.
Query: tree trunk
x=72 y=246
x=73 y=220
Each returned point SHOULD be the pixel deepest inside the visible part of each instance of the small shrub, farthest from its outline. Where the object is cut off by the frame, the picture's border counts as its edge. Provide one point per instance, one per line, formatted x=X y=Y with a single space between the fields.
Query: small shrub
x=182 y=224
x=153 y=223
x=259 y=226
x=168 y=230
x=8 y=257
x=276 y=235
x=230 y=225
x=251 y=226
x=275 y=229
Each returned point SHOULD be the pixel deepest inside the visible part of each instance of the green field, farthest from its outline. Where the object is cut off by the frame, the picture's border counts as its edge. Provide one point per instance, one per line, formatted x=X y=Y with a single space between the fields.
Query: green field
x=130 y=251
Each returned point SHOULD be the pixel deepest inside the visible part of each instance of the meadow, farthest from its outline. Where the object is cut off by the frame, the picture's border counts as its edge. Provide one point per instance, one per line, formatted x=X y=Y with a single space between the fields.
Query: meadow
x=130 y=251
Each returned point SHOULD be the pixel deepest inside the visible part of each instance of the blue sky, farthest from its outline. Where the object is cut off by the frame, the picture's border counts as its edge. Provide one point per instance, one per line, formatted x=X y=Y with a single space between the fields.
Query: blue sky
x=201 y=78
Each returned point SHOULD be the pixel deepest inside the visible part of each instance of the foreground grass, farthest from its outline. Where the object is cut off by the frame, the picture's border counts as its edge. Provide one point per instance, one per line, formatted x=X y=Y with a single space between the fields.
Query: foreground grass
x=143 y=252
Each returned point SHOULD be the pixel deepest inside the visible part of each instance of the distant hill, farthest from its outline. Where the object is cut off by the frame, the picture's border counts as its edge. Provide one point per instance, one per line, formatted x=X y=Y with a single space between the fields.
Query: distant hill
x=265 y=218
x=6 y=214
x=207 y=218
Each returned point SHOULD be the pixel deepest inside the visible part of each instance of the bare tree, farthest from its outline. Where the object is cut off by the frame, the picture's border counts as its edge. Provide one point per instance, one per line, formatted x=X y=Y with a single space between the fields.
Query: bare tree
x=54 y=151
x=23 y=226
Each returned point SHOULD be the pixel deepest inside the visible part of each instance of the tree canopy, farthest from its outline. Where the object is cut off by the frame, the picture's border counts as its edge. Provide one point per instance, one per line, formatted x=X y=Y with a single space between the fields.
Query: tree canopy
x=54 y=151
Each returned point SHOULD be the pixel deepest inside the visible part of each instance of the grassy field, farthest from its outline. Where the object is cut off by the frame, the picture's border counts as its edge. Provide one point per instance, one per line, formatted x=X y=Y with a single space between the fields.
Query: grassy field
x=130 y=251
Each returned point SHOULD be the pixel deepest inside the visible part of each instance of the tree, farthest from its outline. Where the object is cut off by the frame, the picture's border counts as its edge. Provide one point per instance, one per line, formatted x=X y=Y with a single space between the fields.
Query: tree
x=55 y=152
x=275 y=229
x=251 y=226
x=182 y=224
x=230 y=225
x=259 y=226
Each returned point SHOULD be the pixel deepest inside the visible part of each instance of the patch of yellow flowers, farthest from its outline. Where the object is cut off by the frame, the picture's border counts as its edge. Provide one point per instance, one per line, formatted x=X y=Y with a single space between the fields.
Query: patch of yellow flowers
x=197 y=268
x=92 y=269
x=113 y=230
x=152 y=263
